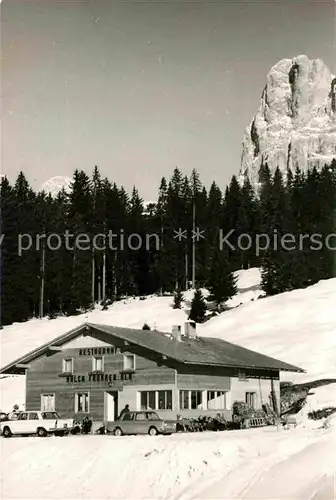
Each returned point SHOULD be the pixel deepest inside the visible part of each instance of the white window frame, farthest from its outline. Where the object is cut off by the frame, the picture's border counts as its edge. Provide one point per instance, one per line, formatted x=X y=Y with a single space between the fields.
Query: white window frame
x=64 y=360
x=53 y=395
x=224 y=393
x=128 y=356
x=156 y=394
x=94 y=368
x=189 y=391
x=248 y=395
x=76 y=401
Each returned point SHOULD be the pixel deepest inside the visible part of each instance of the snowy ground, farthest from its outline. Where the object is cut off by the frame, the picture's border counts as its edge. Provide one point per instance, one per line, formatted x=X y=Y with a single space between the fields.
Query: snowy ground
x=297 y=464
x=252 y=464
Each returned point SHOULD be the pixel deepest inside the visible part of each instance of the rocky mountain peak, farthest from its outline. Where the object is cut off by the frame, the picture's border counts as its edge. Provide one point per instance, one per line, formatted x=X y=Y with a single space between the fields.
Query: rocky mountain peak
x=295 y=124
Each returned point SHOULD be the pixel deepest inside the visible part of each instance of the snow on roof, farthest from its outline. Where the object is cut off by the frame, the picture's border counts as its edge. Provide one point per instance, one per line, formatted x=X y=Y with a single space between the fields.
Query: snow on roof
x=212 y=352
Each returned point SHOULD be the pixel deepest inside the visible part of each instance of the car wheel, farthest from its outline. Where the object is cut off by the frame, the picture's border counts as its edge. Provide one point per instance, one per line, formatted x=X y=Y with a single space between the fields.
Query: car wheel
x=153 y=431
x=41 y=432
x=7 y=433
x=118 y=432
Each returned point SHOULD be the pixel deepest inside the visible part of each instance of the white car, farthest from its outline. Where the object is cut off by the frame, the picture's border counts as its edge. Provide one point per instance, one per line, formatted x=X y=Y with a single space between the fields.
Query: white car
x=41 y=423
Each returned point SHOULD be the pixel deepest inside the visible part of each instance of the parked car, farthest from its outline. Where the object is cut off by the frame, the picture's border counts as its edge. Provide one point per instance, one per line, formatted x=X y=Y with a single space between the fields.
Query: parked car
x=41 y=423
x=3 y=416
x=141 y=422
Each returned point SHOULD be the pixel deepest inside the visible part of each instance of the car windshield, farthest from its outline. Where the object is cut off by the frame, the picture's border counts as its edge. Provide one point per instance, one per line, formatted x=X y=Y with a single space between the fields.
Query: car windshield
x=153 y=416
x=47 y=415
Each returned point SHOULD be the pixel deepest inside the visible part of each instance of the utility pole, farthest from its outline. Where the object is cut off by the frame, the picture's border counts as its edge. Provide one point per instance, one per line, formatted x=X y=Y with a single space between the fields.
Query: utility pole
x=104 y=266
x=186 y=270
x=104 y=275
x=42 y=280
x=1 y=272
x=93 y=276
x=115 y=274
x=193 y=245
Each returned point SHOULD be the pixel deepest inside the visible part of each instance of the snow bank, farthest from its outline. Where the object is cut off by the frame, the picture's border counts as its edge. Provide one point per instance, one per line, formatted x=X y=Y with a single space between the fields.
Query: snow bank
x=235 y=465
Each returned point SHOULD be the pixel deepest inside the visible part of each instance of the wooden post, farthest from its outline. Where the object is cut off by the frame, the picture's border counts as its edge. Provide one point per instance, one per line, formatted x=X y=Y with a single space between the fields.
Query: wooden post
x=194 y=246
x=42 y=280
x=104 y=275
x=99 y=287
x=276 y=403
x=93 y=277
x=186 y=270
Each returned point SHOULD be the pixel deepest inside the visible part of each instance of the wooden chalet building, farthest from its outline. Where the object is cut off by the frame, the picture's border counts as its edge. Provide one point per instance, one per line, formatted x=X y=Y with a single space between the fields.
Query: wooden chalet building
x=97 y=369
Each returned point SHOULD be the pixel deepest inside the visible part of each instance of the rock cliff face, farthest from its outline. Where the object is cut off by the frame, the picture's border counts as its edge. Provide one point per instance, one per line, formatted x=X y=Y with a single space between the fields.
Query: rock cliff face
x=296 y=121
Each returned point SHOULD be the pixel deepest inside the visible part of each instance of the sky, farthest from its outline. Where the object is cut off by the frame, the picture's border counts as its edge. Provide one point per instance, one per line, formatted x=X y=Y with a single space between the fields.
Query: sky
x=141 y=87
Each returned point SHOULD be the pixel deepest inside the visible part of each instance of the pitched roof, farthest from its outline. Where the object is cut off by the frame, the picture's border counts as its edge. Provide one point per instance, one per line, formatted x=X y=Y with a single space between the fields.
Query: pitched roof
x=201 y=351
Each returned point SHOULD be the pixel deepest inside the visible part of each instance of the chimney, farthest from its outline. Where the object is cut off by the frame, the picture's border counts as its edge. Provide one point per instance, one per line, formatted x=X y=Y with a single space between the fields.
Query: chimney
x=190 y=329
x=176 y=331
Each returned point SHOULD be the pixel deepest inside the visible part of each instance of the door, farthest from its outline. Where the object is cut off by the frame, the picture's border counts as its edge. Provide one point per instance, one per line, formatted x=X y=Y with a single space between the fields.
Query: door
x=22 y=425
x=127 y=423
x=110 y=406
x=141 y=424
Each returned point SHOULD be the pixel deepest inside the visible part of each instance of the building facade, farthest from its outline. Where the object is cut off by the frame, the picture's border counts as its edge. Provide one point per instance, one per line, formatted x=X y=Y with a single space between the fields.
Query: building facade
x=96 y=370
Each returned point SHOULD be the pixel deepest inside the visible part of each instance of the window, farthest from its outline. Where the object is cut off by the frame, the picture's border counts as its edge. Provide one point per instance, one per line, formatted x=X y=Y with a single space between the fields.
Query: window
x=165 y=400
x=153 y=416
x=47 y=402
x=196 y=399
x=128 y=416
x=216 y=400
x=140 y=416
x=67 y=365
x=147 y=400
x=33 y=416
x=190 y=400
x=97 y=364
x=23 y=416
x=156 y=400
x=129 y=362
x=250 y=399
x=48 y=415
x=82 y=402
x=184 y=400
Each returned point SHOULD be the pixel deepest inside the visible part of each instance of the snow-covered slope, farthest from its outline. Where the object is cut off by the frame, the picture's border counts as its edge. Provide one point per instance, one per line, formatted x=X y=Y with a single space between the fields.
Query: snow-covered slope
x=264 y=463
x=296 y=121
x=297 y=327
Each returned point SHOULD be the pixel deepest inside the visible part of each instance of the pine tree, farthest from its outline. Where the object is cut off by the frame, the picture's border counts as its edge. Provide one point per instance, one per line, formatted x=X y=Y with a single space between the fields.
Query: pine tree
x=80 y=215
x=10 y=261
x=198 y=307
x=178 y=299
x=221 y=283
x=276 y=259
x=28 y=264
x=248 y=224
x=58 y=259
x=230 y=222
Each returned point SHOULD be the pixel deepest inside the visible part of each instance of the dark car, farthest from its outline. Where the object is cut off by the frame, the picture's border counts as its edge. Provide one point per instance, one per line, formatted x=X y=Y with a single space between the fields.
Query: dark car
x=141 y=422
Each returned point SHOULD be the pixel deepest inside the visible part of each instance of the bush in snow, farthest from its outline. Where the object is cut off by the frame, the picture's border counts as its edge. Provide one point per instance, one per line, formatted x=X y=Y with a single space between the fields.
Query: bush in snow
x=178 y=299
x=146 y=327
